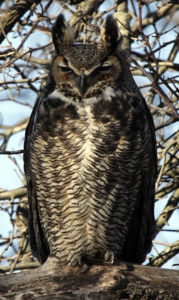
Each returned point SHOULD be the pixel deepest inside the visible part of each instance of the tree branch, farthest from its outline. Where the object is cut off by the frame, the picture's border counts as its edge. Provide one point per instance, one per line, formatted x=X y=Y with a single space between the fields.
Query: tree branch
x=125 y=281
x=10 y=18
x=168 y=210
x=12 y=194
x=165 y=255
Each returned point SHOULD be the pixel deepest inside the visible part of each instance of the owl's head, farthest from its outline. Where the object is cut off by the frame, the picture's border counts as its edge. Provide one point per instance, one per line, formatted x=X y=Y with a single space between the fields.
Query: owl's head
x=83 y=70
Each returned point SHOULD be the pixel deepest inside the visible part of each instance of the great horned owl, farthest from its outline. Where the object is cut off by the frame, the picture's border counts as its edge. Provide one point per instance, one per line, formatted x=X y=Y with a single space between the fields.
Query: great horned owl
x=90 y=156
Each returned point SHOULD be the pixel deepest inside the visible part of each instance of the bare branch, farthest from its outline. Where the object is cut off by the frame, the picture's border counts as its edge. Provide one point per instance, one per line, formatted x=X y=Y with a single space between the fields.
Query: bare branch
x=9 y=19
x=168 y=210
x=165 y=255
x=12 y=194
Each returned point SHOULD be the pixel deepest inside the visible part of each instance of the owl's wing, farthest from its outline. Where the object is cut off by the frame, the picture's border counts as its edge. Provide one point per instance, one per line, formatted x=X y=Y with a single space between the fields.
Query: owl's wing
x=142 y=227
x=37 y=239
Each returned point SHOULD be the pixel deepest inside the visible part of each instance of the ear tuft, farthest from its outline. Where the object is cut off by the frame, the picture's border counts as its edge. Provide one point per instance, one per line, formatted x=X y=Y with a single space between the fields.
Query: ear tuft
x=62 y=34
x=110 y=34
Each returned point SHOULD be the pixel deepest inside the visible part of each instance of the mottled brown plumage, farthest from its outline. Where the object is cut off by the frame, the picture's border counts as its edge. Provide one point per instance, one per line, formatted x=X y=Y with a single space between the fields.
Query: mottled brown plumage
x=90 y=157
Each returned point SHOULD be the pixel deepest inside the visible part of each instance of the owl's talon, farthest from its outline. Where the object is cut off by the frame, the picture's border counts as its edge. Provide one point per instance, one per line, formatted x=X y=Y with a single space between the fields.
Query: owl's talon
x=77 y=262
x=109 y=257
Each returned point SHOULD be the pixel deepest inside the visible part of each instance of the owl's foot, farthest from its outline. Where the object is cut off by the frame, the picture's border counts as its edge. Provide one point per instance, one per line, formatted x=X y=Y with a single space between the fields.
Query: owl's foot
x=51 y=262
x=109 y=257
x=75 y=261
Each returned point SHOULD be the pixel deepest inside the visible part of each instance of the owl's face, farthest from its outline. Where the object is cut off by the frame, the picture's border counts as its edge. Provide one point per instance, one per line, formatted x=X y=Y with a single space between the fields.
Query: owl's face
x=85 y=70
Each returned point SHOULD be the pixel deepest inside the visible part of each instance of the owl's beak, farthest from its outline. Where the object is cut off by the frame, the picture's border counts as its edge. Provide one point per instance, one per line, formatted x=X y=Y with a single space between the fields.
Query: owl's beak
x=82 y=84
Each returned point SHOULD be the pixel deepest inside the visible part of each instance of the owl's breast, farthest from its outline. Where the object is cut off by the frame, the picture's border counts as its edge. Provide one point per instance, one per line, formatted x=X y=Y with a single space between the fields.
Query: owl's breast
x=85 y=150
x=80 y=168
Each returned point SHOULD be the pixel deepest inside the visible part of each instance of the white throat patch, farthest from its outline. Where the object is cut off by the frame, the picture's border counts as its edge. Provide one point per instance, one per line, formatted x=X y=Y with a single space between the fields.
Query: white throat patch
x=106 y=95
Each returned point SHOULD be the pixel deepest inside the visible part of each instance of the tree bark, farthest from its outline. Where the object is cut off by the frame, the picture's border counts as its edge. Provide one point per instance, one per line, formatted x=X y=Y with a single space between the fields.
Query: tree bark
x=123 y=281
x=9 y=19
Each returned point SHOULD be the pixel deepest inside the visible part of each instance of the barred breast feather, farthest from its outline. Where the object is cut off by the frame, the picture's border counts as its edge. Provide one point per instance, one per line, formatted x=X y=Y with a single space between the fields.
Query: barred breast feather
x=87 y=169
